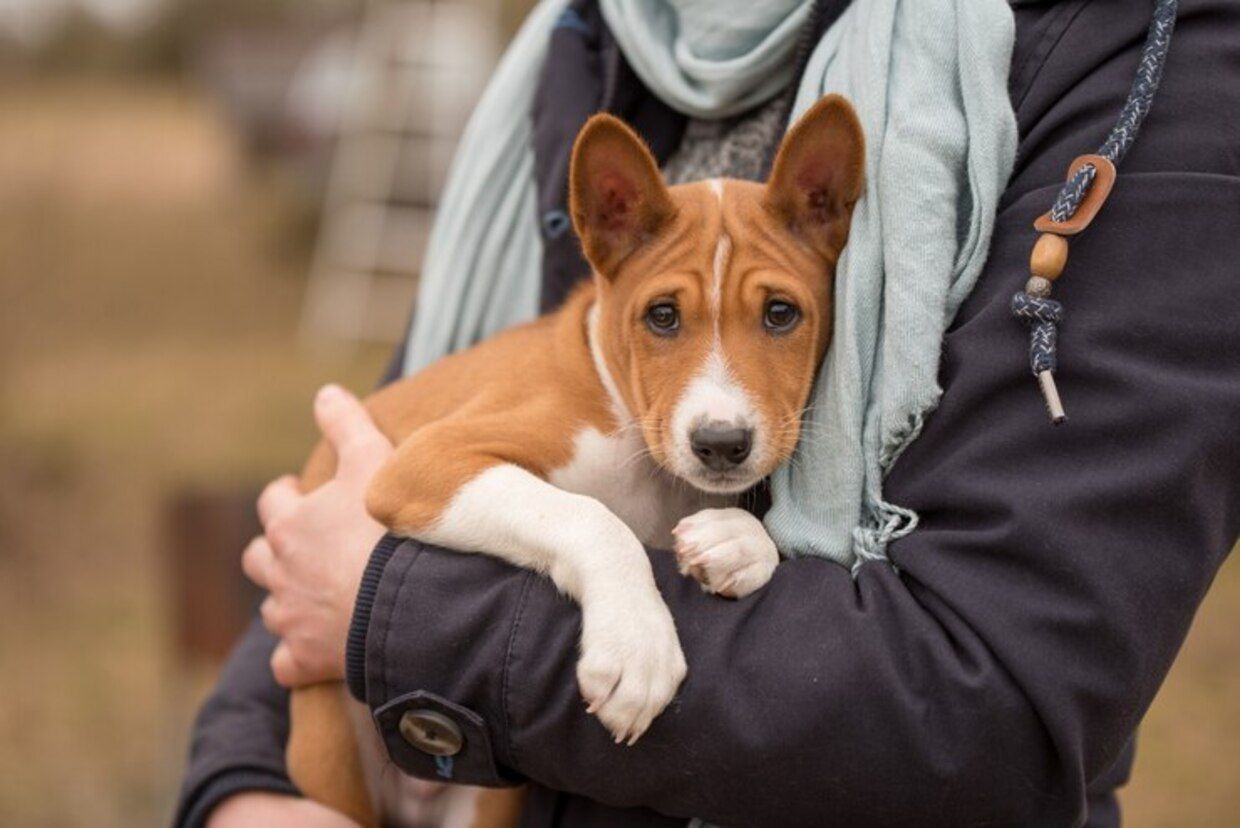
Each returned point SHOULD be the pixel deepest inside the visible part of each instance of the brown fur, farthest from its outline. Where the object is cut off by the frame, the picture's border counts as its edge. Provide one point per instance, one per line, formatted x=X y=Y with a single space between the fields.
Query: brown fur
x=521 y=396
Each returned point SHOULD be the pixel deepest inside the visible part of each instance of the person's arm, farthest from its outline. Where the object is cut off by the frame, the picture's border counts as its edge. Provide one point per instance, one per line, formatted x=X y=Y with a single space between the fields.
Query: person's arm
x=1003 y=665
x=991 y=676
x=239 y=737
x=237 y=744
x=1051 y=582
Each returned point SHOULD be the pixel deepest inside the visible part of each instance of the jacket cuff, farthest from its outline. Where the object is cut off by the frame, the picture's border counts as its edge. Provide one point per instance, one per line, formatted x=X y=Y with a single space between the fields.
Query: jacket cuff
x=437 y=639
x=198 y=807
x=355 y=646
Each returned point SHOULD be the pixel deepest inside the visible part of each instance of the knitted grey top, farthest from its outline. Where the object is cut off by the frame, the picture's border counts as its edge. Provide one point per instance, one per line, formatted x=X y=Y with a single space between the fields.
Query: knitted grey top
x=735 y=147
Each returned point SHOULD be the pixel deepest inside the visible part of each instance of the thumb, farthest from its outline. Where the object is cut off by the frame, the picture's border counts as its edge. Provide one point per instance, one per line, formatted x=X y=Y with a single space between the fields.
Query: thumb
x=360 y=446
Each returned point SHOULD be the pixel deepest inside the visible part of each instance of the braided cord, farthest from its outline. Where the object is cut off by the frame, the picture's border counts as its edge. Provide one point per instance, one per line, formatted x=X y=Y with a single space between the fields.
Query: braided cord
x=1041 y=314
x=1136 y=107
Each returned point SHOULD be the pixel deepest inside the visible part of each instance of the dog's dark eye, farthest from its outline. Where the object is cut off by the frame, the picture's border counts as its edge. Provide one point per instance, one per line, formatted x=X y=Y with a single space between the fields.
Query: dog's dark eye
x=781 y=317
x=663 y=319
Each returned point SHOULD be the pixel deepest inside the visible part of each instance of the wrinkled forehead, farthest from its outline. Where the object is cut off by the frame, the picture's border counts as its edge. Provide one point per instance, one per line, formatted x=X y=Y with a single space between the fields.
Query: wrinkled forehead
x=729 y=224
x=720 y=229
x=688 y=244
x=693 y=234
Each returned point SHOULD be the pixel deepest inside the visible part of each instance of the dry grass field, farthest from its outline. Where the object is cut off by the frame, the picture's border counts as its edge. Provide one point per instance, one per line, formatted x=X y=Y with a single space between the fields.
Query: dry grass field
x=150 y=284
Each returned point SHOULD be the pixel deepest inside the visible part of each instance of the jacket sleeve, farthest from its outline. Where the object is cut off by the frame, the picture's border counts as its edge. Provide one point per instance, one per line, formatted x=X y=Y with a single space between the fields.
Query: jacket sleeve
x=1002 y=661
x=239 y=736
x=240 y=733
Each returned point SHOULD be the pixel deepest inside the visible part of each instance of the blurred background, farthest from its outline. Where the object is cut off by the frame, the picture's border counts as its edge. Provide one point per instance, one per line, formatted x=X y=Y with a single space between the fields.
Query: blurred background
x=208 y=208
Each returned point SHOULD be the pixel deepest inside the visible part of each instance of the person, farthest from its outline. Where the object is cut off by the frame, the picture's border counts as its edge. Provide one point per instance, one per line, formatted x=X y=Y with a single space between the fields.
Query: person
x=994 y=671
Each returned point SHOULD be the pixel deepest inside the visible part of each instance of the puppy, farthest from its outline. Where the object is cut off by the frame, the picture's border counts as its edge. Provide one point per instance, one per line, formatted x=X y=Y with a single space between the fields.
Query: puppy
x=633 y=416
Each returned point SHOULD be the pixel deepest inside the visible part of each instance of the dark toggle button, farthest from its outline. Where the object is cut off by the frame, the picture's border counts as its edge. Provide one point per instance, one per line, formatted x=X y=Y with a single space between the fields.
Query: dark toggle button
x=556 y=223
x=431 y=732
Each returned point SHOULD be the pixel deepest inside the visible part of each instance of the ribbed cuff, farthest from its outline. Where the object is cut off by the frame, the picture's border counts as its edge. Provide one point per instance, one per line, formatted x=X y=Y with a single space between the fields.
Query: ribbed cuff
x=231 y=783
x=355 y=647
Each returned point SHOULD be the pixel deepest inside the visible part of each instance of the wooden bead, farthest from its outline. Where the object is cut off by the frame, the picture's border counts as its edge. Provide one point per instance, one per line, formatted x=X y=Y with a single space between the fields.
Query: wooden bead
x=1050 y=254
x=1038 y=286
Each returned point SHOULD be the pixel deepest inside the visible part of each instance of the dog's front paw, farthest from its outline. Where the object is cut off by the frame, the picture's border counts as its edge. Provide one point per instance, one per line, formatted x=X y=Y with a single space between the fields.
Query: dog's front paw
x=631 y=664
x=726 y=550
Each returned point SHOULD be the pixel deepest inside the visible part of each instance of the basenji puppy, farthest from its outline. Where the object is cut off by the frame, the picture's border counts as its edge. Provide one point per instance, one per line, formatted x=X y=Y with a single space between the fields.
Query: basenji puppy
x=633 y=416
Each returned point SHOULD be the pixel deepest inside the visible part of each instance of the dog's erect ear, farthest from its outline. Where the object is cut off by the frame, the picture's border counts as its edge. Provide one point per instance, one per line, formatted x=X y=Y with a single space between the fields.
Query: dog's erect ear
x=616 y=195
x=818 y=175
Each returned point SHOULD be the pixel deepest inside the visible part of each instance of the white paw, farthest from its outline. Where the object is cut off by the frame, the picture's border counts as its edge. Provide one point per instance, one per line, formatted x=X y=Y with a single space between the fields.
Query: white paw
x=631 y=663
x=726 y=550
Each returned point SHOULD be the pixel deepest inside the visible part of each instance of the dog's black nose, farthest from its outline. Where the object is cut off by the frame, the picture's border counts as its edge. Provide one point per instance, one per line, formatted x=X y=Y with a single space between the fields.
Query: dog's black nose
x=721 y=449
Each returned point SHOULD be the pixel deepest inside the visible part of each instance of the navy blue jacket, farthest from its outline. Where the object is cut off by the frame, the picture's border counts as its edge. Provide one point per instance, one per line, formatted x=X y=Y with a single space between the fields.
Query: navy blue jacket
x=998 y=671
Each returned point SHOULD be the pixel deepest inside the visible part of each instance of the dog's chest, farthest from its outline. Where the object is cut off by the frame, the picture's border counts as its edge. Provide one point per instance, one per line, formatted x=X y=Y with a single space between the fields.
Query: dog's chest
x=617 y=470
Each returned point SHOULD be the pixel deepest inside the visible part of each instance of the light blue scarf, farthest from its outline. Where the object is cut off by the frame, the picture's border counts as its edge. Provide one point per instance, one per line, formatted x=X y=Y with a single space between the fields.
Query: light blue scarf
x=929 y=81
x=709 y=59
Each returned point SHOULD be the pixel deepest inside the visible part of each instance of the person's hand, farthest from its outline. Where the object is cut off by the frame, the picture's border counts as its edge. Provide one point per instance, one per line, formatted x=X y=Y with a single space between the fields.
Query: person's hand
x=314 y=550
x=245 y=810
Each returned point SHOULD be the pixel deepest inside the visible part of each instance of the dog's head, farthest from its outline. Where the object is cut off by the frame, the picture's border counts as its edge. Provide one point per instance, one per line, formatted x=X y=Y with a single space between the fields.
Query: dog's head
x=714 y=298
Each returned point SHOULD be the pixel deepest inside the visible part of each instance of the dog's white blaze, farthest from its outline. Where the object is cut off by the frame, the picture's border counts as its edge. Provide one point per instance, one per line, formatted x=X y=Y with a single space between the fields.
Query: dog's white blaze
x=714 y=395
x=723 y=253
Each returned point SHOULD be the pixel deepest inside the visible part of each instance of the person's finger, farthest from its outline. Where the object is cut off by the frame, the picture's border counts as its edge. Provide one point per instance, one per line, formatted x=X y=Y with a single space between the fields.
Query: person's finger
x=360 y=445
x=279 y=496
x=256 y=562
x=269 y=611
x=284 y=666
